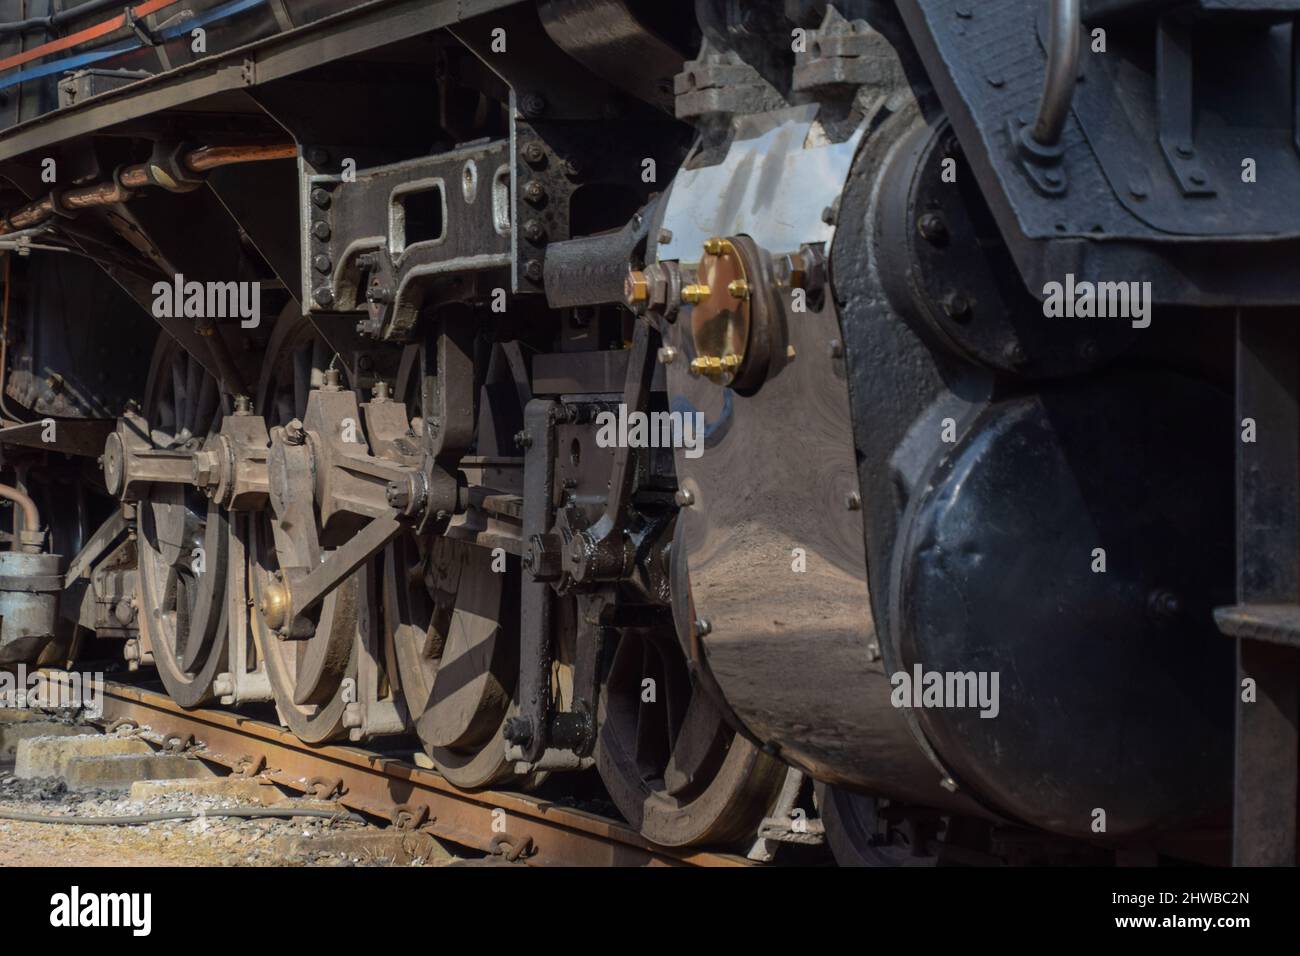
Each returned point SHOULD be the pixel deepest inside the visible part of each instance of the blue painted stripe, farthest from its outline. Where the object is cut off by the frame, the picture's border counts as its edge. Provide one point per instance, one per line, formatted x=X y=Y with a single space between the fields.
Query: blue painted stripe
x=216 y=13
x=70 y=63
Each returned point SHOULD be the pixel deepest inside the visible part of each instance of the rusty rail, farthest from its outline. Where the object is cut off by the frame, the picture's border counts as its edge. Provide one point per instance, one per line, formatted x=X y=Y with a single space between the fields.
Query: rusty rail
x=513 y=824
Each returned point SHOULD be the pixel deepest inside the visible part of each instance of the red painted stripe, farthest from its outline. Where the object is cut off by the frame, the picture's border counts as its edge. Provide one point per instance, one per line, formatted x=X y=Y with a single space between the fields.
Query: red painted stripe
x=83 y=36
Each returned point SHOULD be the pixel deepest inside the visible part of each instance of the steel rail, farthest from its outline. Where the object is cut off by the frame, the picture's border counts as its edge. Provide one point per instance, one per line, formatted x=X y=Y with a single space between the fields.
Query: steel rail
x=386 y=787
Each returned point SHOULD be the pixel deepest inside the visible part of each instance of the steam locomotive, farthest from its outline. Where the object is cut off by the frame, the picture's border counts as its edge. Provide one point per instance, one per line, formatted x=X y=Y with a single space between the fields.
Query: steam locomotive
x=731 y=398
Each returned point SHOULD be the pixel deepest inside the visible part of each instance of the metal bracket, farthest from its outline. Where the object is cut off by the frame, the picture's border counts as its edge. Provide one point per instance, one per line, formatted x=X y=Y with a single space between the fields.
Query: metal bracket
x=1175 y=104
x=325 y=788
x=604 y=552
x=139 y=28
x=527 y=733
x=575 y=729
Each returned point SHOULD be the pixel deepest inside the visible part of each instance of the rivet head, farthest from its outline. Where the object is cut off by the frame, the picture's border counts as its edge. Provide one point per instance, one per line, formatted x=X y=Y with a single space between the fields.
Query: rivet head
x=957 y=306
x=932 y=228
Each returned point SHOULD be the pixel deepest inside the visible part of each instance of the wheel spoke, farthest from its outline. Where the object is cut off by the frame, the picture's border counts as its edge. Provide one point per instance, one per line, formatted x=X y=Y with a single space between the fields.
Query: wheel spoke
x=209 y=399
x=651 y=730
x=193 y=386
x=180 y=398
x=302 y=366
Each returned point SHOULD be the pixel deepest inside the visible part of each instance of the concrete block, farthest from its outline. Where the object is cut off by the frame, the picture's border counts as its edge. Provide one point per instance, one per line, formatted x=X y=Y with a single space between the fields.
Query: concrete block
x=123 y=770
x=11 y=734
x=50 y=756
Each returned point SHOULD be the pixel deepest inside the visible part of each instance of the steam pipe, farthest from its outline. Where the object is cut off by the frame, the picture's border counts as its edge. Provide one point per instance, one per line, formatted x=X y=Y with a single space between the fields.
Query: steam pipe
x=117 y=190
x=31 y=516
x=1062 y=72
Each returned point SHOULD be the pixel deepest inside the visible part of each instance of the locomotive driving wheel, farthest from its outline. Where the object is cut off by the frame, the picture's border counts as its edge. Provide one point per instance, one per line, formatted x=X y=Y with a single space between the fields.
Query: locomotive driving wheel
x=453 y=630
x=671 y=763
x=451 y=619
x=182 y=535
x=311 y=677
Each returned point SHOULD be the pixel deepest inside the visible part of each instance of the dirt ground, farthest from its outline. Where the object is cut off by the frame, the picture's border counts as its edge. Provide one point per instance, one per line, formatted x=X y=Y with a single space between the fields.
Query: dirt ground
x=211 y=841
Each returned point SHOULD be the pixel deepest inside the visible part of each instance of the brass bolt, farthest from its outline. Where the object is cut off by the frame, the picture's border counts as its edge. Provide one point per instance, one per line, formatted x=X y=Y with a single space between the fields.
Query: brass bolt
x=738 y=289
x=713 y=367
x=636 y=288
x=713 y=247
x=695 y=293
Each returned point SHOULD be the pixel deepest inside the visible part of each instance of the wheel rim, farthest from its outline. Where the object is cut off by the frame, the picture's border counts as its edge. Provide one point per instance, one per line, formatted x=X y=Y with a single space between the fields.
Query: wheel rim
x=309 y=678
x=452 y=630
x=182 y=588
x=672 y=765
